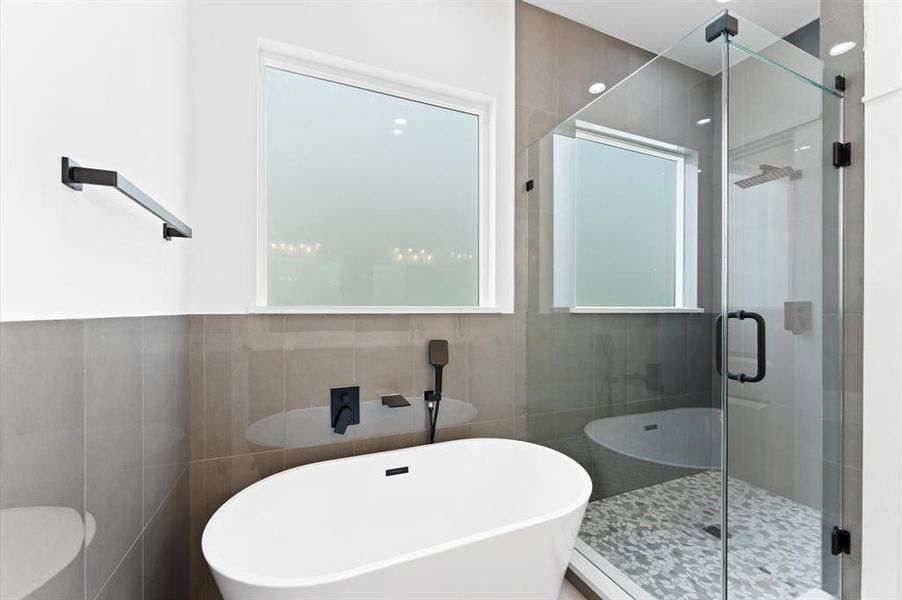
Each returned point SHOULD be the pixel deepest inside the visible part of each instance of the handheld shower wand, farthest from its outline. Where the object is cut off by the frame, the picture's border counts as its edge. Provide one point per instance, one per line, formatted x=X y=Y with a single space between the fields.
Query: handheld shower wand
x=438 y=358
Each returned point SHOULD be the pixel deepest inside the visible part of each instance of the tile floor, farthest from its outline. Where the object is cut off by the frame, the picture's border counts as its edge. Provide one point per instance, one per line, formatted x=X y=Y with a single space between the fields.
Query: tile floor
x=656 y=536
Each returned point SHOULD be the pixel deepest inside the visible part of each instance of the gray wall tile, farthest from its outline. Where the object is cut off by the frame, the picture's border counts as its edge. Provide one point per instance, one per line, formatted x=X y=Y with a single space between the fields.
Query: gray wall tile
x=644 y=361
x=217 y=385
x=73 y=402
x=611 y=60
x=536 y=62
x=383 y=356
x=125 y=583
x=257 y=376
x=113 y=445
x=196 y=374
x=42 y=414
x=165 y=408
x=575 y=66
x=159 y=576
x=85 y=385
x=673 y=354
x=244 y=381
x=319 y=355
x=491 y=371
x=610 y=359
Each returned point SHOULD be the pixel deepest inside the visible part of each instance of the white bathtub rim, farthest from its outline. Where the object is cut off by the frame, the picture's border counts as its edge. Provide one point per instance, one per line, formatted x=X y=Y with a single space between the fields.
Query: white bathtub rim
x=251 y=579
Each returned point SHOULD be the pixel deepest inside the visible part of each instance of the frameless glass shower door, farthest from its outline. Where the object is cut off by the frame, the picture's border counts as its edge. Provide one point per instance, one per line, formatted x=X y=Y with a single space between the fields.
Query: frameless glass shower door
x=782 y=270
x=683 y=318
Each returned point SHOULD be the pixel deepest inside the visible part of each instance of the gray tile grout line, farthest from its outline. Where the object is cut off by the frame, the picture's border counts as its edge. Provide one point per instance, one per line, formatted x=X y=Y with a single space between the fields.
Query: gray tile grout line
x=284 y=343
x=84 y=440
x=203 y=395
x=143 y=466
x=353 y=440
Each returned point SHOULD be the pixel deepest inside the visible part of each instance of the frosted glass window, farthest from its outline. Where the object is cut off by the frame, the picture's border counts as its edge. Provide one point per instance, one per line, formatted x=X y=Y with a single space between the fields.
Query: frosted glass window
x=371 y=199
x=626 y=246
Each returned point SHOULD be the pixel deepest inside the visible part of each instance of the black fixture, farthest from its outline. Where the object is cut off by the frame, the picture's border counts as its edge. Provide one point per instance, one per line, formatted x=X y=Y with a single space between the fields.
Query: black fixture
x=74 y=176
x=396 y=471
x=841 y=541
x=725 y=24
x=394 y=401
x=529 y=185
x=840 y=82
x=345 y=408
x=762 y=350
x=842 y=154
x=438 y=358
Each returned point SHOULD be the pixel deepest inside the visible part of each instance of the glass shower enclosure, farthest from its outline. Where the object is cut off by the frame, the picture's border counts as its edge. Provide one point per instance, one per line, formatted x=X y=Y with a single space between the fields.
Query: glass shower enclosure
x=684 y=337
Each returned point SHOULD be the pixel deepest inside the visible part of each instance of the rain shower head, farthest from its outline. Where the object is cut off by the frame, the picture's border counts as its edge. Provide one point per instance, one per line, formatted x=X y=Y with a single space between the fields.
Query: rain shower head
x=769 y=173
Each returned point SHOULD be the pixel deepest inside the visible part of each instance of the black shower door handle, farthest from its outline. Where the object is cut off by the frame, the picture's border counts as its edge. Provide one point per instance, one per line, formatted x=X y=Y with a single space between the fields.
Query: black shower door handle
x=762 y=346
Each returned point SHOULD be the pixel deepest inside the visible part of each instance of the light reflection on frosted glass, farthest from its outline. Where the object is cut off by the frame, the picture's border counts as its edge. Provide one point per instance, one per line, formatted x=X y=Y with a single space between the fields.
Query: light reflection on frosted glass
x=371 y=199
x=625 y=227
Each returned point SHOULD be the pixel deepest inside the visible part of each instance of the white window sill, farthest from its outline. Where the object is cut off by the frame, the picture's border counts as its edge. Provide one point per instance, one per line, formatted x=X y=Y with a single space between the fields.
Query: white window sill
x=635 y=309
x=377 y=310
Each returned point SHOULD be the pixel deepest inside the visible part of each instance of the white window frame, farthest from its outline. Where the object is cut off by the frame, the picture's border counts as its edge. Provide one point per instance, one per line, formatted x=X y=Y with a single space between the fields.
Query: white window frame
x=310 y=63
x=685 y=275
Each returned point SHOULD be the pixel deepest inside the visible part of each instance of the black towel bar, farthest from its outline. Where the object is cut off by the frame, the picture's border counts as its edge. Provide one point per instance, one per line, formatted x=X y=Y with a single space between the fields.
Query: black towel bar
x=74 y=175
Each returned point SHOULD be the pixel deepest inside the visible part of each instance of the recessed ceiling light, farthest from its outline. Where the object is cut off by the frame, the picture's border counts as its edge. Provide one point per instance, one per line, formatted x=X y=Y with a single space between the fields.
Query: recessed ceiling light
x=396 y=132
x=841 y=48
x=704 y=121
x=597 y=87
x=400 y=121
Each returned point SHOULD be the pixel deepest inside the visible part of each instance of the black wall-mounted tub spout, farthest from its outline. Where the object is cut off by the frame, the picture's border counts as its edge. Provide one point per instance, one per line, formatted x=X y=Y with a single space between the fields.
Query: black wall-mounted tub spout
x=342 y=420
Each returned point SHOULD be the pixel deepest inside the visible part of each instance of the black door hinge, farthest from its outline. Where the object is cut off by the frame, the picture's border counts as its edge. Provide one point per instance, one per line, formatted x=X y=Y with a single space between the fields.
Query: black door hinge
x=529 y=185
x=725 y=24
x=841 y=542
x=842 y=154
x=840 y=83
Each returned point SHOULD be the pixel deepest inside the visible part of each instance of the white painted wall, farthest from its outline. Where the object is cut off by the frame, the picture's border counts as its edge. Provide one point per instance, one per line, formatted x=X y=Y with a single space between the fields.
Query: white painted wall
x=882 y=475
x=466 y=44
x=105 y=83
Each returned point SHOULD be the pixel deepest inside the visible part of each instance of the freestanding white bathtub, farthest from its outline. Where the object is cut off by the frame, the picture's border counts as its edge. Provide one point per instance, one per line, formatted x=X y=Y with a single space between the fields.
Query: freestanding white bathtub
x=478 y=518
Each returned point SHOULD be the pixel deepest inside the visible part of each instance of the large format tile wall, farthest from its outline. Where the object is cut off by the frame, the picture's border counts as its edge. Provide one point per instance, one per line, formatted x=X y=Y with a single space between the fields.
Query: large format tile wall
x=94 y=419
x=244 y=368
x=582 y=367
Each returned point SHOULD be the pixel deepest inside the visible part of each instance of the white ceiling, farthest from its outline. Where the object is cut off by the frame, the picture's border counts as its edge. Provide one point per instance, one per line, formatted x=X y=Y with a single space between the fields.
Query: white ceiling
x=656 y=24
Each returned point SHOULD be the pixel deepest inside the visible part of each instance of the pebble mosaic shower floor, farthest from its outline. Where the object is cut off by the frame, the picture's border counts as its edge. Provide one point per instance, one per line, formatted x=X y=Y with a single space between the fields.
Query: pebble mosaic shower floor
x=656 y=536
